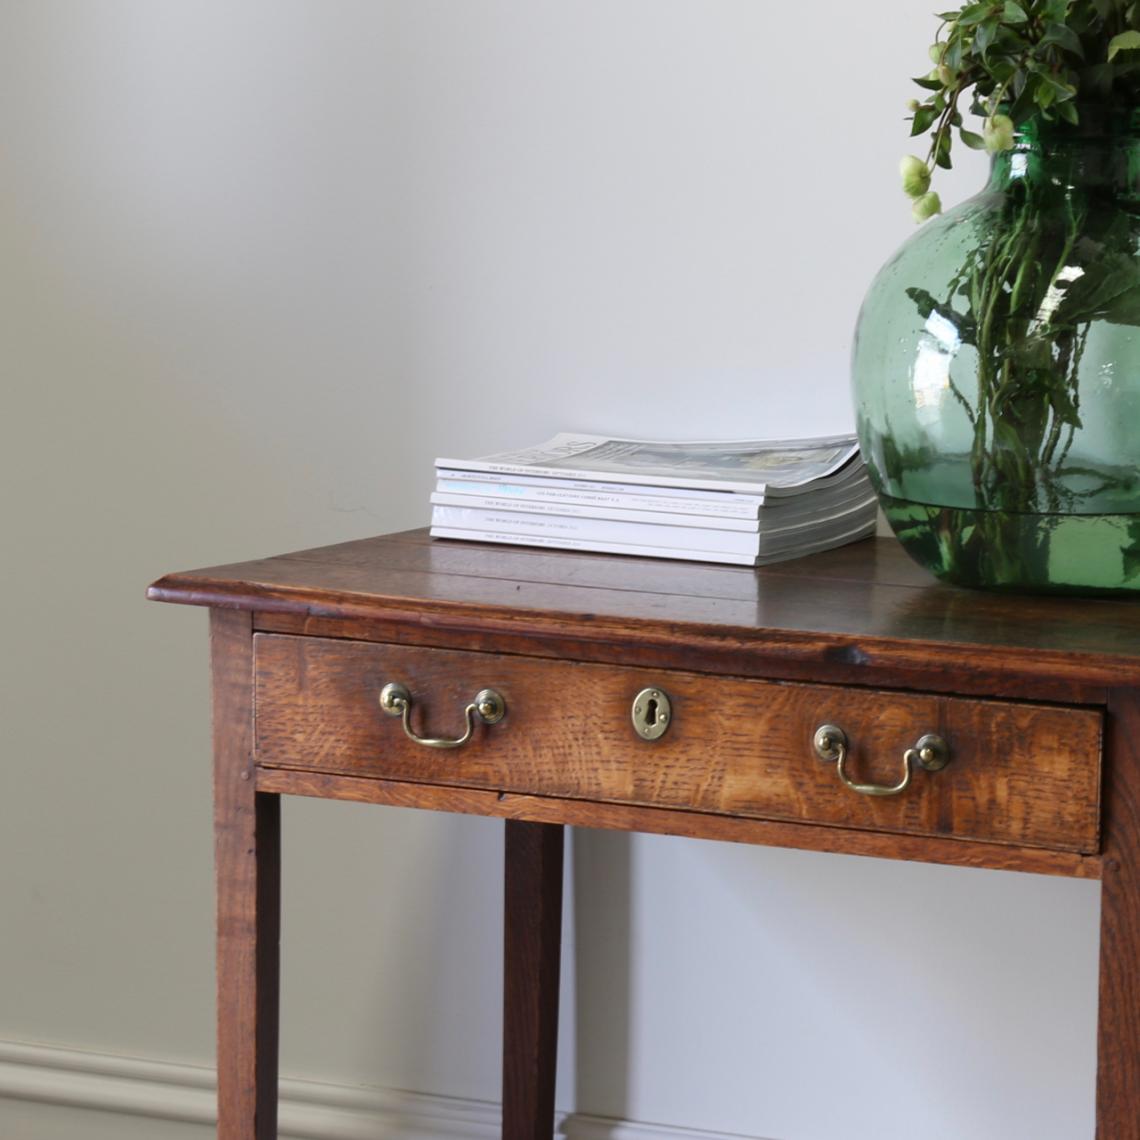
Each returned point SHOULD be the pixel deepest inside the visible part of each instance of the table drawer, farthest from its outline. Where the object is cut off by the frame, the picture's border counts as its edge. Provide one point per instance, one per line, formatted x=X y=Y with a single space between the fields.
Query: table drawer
x=1018 y=773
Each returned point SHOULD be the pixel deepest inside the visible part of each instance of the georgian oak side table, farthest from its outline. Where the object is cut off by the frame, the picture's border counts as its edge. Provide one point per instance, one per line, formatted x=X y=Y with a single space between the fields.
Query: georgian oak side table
x=841 y=703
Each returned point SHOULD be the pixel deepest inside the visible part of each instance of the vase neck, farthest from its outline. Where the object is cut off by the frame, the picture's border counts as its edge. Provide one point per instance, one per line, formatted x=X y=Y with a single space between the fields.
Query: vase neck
x=1101 y=154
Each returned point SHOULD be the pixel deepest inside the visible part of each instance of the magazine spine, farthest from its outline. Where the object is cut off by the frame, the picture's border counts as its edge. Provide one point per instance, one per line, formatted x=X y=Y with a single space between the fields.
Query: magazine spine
x=594 y=510
x=683 y=499
x=601 y=530
x=549 y=543
x=546 y=542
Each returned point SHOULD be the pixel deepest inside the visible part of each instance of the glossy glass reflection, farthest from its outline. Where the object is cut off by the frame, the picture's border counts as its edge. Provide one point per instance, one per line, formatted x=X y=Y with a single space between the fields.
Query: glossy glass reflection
x=997 y=372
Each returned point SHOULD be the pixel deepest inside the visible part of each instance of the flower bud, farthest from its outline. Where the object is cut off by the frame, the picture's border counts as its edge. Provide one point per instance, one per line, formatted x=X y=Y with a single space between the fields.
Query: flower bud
x=935 y=53
x=926 y=206
x=915 y=176
x=946 y=76
x=997 y=134
x=913 y=105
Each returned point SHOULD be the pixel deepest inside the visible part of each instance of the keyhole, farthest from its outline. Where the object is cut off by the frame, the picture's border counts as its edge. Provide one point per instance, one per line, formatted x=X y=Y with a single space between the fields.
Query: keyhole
x=651 y=713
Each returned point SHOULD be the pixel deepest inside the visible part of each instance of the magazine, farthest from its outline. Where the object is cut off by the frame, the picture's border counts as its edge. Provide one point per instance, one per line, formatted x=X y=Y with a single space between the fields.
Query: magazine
x=596 y=547
x=744 y=501
x=674 y=534
x=814 y=546
x=591 y=492
x=738 y=512
x=595 y=511
x=764 y=468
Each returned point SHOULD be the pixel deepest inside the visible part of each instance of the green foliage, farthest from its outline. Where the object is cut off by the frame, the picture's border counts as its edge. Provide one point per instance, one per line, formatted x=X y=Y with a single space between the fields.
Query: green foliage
x=1030 y=58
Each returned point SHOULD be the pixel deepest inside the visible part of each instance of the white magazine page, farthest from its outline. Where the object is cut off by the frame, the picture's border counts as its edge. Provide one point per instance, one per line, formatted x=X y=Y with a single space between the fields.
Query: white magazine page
x=739 y=465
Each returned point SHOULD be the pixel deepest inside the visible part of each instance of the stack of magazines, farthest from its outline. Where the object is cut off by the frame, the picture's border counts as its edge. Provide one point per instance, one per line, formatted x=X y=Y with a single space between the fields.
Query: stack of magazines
x=744 y=502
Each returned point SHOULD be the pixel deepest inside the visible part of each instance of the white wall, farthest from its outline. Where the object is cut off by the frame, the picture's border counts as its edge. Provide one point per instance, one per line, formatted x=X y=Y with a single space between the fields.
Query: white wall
x=259 y=263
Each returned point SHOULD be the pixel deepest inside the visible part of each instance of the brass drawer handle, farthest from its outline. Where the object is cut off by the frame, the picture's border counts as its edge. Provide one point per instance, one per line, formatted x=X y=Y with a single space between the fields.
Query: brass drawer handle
x=488 y=706
x=931 y=751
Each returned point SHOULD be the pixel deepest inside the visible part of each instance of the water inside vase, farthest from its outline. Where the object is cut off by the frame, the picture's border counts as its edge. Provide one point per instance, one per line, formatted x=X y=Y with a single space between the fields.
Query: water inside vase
x=1059 y=553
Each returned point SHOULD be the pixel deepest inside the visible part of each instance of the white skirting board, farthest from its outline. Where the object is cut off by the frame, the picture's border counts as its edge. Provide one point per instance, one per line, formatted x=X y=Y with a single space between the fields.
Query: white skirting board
x=308 y=1110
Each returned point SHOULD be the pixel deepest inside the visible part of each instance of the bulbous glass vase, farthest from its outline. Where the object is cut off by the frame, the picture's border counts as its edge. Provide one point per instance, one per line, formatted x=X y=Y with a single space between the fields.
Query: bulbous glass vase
x=997 y=370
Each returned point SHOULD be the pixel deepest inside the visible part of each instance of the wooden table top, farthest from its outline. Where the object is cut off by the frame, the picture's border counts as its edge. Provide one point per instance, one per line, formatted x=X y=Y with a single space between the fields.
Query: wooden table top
x=863 y=609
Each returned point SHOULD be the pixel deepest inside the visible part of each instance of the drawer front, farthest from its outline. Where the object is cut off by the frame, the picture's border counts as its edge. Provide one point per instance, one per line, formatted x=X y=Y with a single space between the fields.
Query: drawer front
x=1019 y=773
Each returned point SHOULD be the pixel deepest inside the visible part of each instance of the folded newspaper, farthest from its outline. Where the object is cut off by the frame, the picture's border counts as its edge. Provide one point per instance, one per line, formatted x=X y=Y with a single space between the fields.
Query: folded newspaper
x=743 y=501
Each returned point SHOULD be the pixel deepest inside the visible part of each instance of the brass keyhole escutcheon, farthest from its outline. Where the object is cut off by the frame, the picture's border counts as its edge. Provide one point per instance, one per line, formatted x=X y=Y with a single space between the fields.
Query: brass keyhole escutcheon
x=651 y=714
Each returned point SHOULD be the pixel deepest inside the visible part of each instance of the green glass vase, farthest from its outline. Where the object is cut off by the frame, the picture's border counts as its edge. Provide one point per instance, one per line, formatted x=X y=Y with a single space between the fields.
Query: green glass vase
x=996 y=370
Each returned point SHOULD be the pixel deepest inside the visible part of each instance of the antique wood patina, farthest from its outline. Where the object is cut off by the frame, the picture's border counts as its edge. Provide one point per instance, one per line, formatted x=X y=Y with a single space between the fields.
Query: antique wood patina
x=1037 y=700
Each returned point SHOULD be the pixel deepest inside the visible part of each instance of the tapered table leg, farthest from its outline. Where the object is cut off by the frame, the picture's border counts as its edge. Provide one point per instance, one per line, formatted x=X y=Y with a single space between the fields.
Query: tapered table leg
x=531 y=968
x=1118 y=1050
x=247 y=853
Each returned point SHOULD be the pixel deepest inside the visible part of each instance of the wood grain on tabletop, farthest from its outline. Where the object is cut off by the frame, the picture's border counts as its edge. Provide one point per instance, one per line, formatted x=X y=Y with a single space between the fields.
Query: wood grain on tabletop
x=861 y=608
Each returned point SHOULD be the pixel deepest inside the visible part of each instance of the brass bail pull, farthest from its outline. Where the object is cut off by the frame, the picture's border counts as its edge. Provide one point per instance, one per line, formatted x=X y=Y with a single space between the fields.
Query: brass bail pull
x=930 y=751
x=487 y=705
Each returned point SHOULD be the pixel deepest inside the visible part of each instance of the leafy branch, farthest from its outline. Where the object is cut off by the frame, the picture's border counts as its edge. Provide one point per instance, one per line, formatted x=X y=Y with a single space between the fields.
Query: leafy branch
x=1015 y=60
